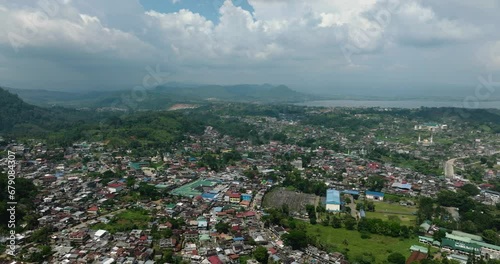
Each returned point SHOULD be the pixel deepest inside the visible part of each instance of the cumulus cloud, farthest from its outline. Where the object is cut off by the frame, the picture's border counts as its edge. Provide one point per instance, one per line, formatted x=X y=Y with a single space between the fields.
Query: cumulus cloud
x=489 y=55
x=281 y=41
x=415 y=24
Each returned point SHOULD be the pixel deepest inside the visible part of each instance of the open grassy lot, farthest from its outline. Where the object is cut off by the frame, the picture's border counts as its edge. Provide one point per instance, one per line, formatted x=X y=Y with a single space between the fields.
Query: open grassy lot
x=395 y=212
x=296 y=201
x=126 y=221
x=379 y=246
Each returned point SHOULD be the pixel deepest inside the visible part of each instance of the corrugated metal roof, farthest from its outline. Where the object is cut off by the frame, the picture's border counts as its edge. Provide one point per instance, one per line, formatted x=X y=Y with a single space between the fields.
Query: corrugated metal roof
x=379 y=194
x=332 y=196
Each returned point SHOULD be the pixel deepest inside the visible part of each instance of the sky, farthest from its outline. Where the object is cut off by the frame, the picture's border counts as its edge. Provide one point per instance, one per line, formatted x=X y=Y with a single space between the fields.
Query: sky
x=320 y=46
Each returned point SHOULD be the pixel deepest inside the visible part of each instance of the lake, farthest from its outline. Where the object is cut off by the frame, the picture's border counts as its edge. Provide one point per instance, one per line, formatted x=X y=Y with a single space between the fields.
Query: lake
x=401 y=104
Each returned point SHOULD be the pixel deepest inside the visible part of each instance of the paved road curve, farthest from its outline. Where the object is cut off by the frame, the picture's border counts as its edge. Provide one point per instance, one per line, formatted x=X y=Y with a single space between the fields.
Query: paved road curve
x=449 y=171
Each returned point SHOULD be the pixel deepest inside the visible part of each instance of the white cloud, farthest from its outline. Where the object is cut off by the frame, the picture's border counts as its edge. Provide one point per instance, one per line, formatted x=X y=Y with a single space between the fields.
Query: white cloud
x=489 y=55
x=286 y=38
x=415 y=24
x=68 y=29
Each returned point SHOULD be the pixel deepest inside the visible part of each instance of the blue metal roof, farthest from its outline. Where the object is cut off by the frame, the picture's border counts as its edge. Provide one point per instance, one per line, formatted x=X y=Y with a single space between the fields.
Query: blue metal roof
x=401 y=185
x=332 y=196
x=352 y=192
x=208 y=195
x=379 y=194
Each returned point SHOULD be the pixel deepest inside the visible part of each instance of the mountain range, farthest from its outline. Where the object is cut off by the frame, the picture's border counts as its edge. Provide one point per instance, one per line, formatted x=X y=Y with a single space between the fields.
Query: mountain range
x=162 y=97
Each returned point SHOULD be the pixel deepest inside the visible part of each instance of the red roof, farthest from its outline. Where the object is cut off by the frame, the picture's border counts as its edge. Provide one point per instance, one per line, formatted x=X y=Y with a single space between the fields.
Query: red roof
x=416 y=256
x=215 y=260
x=246 y=214
x=114 y=185
x=93 y=208
x=235 y=195
x=486 y=186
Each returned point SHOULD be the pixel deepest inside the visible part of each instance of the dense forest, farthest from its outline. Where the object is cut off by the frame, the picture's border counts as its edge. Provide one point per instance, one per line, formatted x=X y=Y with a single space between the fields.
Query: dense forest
x=25 y=194
x=63 y=126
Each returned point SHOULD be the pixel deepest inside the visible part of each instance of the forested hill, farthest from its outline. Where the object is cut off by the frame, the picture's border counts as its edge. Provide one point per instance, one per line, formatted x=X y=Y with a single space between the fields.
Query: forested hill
x=14 y=111
x=25 y=120
x=61 y=126
x=163 y=97
x=240 y=93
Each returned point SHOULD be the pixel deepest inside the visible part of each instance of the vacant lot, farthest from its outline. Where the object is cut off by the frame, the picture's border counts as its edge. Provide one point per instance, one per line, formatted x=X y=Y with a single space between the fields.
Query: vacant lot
x=296 y=201
x=395 y=212
x=126 y=221
x=379 y=246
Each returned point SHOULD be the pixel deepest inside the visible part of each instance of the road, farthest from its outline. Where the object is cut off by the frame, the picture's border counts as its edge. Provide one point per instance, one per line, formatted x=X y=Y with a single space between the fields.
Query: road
x=449 y=171
x=352 y=205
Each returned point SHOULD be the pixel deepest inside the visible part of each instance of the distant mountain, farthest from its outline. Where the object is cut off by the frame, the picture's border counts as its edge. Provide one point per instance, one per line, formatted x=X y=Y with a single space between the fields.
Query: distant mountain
x=13 y=111
x=62 y=126
x=240 y=93
x=60 y=98
x=32 y=95
x=162 y=97
x=25 y=120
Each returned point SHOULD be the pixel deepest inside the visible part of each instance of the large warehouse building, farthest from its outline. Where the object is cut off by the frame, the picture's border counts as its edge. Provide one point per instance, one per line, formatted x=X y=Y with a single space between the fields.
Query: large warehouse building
x=332 y=200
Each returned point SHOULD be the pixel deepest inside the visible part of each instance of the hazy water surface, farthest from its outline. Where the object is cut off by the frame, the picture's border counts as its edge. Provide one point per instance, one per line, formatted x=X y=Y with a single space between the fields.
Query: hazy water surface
x=401 y=104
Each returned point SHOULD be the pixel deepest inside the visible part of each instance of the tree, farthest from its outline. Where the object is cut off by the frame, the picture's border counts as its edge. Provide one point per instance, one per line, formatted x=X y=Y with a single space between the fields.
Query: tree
x=297 y=239
x=396 y=258
x=468 y=226
x=285 y=209
x=490 y=236
x=375 y=183
x=439 y=235
x=149 y=191
x=350 y=223
x=168 y=255
x=425 y=209
x=364 y=258
x=336 y=222
x=471 y=189
x=130 y=181
x=261 y=254
x=222 y=227
x=370 y=206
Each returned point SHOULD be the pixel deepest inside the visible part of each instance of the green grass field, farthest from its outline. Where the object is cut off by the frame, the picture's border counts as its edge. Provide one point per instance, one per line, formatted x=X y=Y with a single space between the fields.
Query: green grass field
x=125 y=221
x=379 y=246
x=394 y=211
